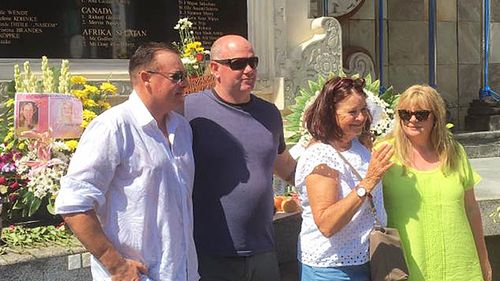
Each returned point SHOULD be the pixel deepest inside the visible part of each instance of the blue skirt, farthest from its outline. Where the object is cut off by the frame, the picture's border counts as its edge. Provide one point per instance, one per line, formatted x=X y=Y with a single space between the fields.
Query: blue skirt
x=339 y=273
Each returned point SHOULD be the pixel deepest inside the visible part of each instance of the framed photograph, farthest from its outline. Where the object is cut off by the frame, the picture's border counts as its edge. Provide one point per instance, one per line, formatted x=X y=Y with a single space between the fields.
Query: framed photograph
x=30 y=114
x=59 y=115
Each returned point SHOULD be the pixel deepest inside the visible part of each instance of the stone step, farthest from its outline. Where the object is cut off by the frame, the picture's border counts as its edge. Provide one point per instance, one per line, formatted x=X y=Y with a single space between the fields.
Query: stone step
x=480 y=144
x=482 y=122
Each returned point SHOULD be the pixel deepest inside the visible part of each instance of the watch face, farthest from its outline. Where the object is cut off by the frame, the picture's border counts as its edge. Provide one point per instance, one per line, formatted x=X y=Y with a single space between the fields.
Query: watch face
x=361 y=191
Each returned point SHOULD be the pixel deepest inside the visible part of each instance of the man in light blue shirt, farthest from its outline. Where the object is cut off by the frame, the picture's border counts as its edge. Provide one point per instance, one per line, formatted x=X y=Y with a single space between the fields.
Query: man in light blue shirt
x=127 y=194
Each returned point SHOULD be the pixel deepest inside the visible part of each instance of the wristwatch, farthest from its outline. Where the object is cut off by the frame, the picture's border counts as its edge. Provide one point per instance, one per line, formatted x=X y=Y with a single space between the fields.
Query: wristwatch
x=361 y=191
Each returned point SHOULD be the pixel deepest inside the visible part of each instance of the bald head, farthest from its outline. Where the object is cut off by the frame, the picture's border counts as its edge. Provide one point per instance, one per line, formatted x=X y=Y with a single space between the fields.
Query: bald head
x=226 y=46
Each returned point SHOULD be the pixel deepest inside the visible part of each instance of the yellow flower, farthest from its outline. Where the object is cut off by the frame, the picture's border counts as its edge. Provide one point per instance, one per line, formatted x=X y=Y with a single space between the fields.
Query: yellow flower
x=21 y=146
x=91 y=89
x=9 y=136
x=78 y=80
x=79 y=94
x=88 y=115
x=84 y=124
x=71 y=144
x=9 y=102
x=104 y=104
x=108 y=87
x=89 y=103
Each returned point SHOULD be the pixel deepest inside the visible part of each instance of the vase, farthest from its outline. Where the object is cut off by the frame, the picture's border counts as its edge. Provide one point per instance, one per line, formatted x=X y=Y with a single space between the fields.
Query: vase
x=200 y=83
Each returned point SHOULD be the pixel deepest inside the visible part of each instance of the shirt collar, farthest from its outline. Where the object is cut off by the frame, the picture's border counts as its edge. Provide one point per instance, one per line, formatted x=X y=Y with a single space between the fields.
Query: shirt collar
x=139 y=110
x=144 y=117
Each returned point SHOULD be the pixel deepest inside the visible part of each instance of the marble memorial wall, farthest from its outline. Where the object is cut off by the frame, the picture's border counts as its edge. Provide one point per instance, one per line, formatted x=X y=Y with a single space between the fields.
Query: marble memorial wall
x=109 y=29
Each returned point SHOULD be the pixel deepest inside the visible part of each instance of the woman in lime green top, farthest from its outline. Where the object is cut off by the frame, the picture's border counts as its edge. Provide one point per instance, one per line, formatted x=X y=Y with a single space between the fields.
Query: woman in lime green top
x=429 y=195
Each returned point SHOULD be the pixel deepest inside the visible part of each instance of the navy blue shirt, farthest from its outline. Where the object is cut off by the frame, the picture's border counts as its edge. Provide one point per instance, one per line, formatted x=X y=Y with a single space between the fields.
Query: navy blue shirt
x=234 y=148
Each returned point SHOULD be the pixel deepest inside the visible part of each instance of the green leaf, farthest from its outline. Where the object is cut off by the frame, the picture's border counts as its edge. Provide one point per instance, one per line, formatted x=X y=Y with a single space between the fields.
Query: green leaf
x=34 y=205
x=313 y=85
x=368 y=79
x=51 y=208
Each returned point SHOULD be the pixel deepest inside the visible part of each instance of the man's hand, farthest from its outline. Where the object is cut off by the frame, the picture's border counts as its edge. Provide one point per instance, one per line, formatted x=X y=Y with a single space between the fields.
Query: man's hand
x=128 y=270
x=87 y=228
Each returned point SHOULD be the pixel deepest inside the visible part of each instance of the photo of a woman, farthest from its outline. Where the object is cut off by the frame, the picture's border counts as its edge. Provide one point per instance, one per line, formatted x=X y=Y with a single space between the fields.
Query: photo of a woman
x=65 y=120
x=28 y=116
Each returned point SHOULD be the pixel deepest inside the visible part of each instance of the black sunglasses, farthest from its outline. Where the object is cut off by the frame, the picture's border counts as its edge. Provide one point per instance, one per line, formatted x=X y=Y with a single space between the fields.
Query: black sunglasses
x=176 y=77
x=420 y=115
x=240 y=63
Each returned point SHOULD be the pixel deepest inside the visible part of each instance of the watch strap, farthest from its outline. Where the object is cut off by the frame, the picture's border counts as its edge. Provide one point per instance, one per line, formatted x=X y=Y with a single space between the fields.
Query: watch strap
x=368 y=194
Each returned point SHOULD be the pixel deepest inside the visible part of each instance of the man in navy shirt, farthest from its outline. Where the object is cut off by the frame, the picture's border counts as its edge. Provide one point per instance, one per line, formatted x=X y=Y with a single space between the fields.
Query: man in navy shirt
x=237 y=143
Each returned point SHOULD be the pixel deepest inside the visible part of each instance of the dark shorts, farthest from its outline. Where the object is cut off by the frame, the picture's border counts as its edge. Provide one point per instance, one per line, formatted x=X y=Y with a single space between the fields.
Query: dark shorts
x=259 y=267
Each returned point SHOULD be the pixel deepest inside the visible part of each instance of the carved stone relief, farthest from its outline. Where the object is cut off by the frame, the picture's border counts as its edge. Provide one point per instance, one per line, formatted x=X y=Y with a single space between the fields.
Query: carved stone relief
x=359 y=62
x=322 y=54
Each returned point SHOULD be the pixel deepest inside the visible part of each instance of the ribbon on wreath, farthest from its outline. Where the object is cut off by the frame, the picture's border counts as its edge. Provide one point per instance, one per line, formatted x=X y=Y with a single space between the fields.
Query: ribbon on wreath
x=42 y=144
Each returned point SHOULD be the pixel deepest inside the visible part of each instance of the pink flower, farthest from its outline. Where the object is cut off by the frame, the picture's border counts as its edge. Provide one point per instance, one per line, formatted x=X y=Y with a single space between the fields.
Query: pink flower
x=199 y=57
x=12 y=197
x=2 y=180
x=14 y=185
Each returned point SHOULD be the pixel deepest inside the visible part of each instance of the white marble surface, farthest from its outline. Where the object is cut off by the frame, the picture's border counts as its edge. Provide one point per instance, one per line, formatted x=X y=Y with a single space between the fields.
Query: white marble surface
x=489 y=169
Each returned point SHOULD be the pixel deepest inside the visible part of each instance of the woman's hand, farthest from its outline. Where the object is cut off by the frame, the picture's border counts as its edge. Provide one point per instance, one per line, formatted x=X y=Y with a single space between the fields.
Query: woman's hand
x=379 y=164
x=486 y=269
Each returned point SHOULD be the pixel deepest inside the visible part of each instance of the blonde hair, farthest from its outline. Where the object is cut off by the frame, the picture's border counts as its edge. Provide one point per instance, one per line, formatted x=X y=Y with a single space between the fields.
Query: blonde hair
x=425 y=97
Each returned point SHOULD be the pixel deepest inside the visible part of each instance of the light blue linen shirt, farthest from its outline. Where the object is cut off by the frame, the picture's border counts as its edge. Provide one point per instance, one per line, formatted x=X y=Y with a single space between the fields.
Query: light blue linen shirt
x=140 y=187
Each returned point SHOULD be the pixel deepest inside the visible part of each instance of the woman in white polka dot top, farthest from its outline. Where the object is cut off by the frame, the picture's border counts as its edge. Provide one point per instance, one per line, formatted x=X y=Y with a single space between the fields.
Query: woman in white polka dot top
x=333 y=242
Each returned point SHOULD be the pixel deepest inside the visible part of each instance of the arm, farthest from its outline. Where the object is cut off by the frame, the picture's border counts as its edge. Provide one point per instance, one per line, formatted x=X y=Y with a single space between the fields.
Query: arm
x=88 y=230
x=284 y=167
x=331 y=214
x=474 y=216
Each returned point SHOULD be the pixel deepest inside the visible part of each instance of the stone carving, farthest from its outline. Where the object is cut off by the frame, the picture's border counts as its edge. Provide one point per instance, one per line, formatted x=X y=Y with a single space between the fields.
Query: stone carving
x=280 y=39
x=322 y=54
x=339 y=8
x=359 y=62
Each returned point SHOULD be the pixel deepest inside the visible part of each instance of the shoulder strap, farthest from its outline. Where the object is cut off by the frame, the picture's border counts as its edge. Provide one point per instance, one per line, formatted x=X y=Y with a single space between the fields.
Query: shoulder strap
x=370 y=198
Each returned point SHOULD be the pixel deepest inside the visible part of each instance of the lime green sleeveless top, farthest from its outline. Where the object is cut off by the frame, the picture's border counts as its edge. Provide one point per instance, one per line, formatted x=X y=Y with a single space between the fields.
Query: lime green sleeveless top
x=428 y=209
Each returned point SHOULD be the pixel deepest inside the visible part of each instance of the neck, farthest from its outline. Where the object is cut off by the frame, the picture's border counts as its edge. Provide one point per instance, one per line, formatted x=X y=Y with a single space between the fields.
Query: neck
x=230 y=97
x=424 y=155
x=159 y=114
x=421 y=145
x=342 y=144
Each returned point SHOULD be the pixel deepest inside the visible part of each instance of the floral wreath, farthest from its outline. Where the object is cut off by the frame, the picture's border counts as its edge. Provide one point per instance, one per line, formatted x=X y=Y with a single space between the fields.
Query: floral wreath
x=380 y=107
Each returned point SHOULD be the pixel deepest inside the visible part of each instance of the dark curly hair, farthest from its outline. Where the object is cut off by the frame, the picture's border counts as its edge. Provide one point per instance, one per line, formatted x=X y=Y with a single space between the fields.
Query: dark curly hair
x=320 y=119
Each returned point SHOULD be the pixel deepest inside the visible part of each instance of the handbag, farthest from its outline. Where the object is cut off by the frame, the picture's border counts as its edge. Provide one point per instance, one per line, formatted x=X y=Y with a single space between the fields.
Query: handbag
x=387 y=258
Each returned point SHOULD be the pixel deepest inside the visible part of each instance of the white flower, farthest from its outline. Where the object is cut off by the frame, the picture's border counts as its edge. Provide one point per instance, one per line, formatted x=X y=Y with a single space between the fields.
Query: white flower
x=381 y=114
x=185 y=60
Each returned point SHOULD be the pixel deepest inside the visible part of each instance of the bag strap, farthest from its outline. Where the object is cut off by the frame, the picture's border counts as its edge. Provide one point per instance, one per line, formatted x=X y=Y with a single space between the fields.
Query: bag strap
x=370 y=198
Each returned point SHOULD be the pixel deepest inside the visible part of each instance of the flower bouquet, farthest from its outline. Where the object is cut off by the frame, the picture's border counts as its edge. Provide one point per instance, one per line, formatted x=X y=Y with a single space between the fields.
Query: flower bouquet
x=30 y=168
x=194 y=57
x=380 y=107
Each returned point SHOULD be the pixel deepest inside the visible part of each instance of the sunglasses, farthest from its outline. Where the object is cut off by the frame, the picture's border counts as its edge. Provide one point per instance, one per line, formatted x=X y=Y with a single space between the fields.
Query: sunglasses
x=176 y=77
x=349 y=82
x=240 y=63
x=420 y=115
